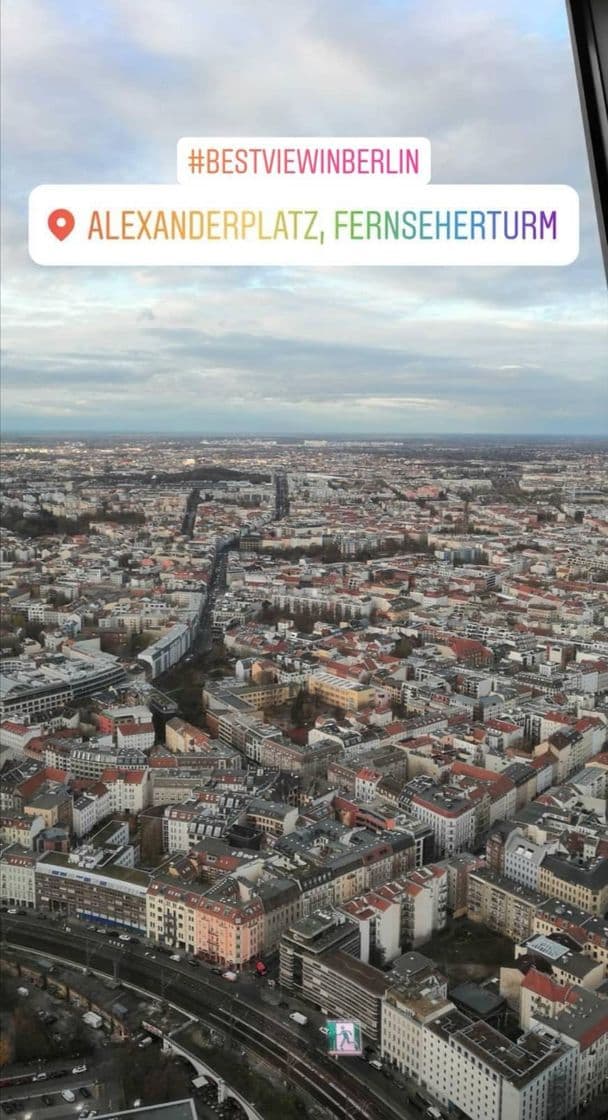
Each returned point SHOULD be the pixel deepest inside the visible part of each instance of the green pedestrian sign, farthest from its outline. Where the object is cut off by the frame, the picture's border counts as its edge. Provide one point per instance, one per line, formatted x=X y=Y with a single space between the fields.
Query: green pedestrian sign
x=344 y=1037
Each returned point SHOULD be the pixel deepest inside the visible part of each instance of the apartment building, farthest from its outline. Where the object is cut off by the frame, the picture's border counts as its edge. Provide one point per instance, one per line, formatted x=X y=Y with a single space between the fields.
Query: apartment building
x=17 y=877
x=90 y=807
x=33 y=688
x=471 y=1065
x=320 y=932
x=577 y=1016
x=450 y=814
x=184 y=738
x=135 y=736
x=505 y=906
x=20 y=828
x=271 y=817
x=424 y=904
x=417 y=997
x=523 y=859
x=129 y=790
x=581 y=883
x=95 y=887
x=343 y=987
x=378 y=919
x=588 y=931
x=567 y=966
x=207 y=922
x=229 y=931
x=342 y=692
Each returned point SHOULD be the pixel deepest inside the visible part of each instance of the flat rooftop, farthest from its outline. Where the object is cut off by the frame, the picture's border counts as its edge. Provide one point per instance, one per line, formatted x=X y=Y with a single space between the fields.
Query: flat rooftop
x=518 y=1062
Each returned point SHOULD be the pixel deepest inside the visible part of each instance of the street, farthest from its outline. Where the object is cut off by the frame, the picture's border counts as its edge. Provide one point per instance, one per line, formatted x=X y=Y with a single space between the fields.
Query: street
x=355 y=1089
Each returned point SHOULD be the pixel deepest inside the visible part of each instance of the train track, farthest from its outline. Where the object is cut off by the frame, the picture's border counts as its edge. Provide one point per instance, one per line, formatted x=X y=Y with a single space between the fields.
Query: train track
x=261 y=1038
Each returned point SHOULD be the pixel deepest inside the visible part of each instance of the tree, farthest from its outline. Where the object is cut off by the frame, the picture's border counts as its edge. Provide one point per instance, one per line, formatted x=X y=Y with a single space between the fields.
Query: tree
x=152 y=1077
x=297 y=708
x=403 y=647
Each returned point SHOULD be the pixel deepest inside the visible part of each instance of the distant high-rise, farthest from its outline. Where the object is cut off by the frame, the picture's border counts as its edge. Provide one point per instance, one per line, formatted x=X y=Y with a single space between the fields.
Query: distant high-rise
x=281 y=495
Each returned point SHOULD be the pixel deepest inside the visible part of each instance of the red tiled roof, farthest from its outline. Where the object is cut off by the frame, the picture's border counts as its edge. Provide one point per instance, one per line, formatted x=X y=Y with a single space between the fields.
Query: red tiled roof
x=543 y=985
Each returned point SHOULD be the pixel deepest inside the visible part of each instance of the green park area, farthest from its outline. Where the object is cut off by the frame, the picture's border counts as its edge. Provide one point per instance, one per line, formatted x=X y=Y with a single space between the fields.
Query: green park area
x=467 y=950
x=268 y=1090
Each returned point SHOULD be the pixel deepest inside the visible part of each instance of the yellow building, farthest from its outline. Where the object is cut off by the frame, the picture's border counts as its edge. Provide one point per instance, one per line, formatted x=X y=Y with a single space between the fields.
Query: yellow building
x=584 y=885
x=342 y=693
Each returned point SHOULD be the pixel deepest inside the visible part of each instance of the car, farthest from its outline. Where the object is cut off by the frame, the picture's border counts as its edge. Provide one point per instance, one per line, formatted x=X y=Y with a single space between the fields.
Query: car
x=42 y=1076
x=68 y=1095
x=324 y=1030
x=175 y=957
x=80 y=1069
x=217 y=971
x=124 y=936
x=84 y=1092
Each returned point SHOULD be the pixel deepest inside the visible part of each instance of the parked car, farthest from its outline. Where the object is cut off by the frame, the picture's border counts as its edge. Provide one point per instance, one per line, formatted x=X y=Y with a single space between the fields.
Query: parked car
x=84 y=1092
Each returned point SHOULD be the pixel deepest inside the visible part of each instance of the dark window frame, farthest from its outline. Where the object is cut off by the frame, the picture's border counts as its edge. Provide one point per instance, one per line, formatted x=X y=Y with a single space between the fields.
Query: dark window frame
x=588 y=21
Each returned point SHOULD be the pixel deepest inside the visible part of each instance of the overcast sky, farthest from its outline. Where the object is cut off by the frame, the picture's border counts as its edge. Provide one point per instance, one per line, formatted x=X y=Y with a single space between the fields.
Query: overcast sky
x=100 y=91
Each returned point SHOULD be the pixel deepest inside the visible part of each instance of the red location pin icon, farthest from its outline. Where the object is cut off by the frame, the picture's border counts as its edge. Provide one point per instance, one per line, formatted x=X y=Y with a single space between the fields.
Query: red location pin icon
x=61 y=223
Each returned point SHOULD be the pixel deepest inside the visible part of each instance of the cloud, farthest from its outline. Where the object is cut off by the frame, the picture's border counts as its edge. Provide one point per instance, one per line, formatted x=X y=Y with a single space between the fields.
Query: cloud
x=102 y=91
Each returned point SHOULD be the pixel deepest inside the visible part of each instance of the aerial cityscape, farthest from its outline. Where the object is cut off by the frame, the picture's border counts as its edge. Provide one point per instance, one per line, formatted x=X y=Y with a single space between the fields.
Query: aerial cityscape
x=304 y=764
x=303 y=561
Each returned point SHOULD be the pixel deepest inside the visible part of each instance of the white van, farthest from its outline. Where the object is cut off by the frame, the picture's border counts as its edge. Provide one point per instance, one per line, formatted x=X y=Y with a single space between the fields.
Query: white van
x=68 y=1095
